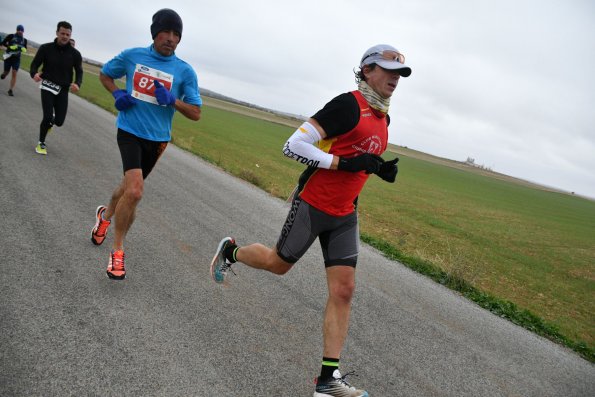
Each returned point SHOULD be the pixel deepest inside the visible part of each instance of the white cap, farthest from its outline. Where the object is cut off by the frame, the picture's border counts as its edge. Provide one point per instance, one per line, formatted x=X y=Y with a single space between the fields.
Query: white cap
x=374 y=55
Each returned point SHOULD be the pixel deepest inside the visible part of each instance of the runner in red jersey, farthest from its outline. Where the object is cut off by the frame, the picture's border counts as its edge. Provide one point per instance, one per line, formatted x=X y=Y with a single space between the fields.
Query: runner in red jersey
x=341 y=147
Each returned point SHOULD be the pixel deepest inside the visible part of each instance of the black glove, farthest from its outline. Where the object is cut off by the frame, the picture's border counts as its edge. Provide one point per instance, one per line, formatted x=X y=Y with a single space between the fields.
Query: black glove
x=365 y=162
x=388 y=170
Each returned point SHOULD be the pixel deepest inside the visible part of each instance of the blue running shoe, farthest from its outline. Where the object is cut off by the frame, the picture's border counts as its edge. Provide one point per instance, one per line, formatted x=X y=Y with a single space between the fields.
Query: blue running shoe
x=219 y=265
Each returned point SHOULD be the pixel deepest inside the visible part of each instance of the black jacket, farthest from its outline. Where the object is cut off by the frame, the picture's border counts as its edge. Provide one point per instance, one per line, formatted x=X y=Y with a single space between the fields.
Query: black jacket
x=58 y=63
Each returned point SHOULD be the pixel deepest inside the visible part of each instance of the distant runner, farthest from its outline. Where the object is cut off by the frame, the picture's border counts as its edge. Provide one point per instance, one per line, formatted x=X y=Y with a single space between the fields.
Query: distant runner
x=157 y=84
x=60 y=61
x=15 y=44
x=351 y=132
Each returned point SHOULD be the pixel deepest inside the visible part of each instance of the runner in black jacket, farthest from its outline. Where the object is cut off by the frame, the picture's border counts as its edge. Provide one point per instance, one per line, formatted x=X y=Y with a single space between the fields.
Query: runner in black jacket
x=59 y=60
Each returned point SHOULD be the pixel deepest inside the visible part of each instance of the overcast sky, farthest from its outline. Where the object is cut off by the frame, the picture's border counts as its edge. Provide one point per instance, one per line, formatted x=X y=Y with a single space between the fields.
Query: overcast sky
x=510 y=83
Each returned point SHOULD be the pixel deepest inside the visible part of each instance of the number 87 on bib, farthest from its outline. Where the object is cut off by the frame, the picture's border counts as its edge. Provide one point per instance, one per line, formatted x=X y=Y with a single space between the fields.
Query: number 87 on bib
x=143 y=86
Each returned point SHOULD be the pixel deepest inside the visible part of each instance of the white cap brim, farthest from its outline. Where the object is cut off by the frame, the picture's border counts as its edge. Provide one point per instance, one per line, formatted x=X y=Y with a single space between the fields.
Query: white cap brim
x=404 y=70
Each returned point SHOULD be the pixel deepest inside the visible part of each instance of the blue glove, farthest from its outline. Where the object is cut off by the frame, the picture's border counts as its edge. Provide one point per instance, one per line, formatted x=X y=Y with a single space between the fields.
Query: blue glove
x=123 y=99
x=163 y=95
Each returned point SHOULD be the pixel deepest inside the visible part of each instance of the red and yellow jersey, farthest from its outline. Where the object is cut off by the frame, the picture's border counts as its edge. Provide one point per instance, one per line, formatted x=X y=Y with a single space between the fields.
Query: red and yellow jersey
x=335 y=192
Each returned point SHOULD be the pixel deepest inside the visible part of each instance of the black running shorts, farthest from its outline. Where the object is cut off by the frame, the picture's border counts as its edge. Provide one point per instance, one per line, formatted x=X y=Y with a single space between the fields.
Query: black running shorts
x=338 y=236
x=13 y=62
x=138 y=152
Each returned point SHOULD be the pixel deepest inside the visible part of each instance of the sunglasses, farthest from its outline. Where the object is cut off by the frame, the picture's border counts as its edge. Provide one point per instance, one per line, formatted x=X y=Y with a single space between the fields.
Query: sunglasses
x=388 y=55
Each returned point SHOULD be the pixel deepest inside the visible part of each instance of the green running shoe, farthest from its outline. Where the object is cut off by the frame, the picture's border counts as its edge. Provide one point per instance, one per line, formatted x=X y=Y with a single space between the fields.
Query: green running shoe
x=40 y=148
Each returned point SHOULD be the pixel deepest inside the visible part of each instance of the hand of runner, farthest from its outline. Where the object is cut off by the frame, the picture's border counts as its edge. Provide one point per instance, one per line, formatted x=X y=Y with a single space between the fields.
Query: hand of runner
x=123 y=99
x=163 y=95
x=366 y=162
x=388 y=170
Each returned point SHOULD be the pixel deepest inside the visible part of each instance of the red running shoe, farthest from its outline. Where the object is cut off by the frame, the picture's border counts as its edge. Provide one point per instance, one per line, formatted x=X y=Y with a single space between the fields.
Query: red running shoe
x=99 y=231
x=115 y=267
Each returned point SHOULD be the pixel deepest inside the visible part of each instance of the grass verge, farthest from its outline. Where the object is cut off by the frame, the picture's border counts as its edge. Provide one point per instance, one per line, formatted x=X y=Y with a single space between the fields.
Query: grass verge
x=499 y=307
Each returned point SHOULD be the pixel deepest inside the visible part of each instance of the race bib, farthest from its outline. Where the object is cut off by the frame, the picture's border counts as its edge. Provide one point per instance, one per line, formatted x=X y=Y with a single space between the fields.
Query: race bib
x=143 y=86
x=7 y=55
x=49 y=86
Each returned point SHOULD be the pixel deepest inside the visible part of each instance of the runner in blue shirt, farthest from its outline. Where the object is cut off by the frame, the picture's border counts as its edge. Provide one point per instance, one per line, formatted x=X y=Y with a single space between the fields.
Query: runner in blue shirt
x=158 y=84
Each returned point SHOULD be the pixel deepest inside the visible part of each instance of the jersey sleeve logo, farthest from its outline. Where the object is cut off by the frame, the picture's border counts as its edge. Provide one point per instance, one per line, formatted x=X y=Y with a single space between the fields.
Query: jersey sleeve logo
x=143 y=86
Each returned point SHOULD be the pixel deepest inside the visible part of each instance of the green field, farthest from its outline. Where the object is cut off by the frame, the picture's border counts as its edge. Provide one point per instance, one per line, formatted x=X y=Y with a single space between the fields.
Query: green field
x=525 y=253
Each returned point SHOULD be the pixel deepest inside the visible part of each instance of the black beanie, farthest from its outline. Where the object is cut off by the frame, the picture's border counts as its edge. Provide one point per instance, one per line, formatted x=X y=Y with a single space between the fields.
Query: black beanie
x=166 y=19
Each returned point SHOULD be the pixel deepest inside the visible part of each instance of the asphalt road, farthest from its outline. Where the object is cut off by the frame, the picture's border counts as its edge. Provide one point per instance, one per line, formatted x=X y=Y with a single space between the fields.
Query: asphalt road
x=168 y=330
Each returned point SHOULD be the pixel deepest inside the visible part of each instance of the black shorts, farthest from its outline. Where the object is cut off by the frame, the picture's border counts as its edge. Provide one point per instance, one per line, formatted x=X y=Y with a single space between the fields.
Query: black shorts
x=13 y=62
x=338 y=235
x=138 y=152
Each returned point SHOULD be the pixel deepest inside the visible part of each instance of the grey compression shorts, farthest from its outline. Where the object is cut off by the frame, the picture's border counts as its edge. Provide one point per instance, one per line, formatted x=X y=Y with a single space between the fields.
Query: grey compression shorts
x=339 y=236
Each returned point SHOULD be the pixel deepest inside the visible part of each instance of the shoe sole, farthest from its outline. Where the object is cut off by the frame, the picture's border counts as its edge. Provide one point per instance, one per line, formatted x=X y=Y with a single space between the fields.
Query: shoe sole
x=316 y=394
x=97 y=225
x=219 y=247
x=42 y=153
x=114 y=277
